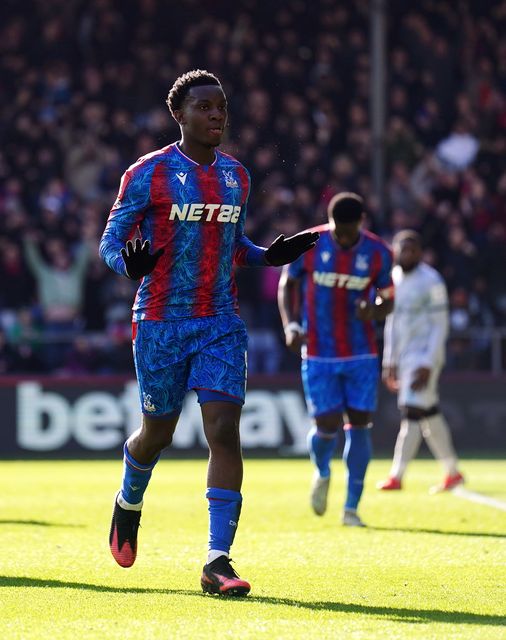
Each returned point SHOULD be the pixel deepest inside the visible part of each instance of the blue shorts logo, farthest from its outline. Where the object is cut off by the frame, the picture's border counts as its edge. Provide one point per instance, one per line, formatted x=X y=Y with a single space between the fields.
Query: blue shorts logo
x=147 y=404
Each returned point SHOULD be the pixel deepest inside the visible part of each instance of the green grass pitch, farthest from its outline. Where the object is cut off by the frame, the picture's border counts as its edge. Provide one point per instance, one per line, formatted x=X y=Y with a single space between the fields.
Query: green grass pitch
x=426 y=567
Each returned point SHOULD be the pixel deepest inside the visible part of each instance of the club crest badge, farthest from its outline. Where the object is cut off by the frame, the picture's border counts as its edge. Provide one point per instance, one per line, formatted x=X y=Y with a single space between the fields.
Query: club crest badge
x=230 y=181
x=362 y=262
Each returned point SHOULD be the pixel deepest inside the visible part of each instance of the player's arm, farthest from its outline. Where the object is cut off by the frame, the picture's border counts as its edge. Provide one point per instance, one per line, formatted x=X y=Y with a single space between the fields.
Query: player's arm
x=389 y=372
x=116 y=247
x=384 y=300
x=289 y=303
x=248 y=254
x=377 y=310
x=437 y=317
x=438 y=321
x=437 y=307
x=281 y=251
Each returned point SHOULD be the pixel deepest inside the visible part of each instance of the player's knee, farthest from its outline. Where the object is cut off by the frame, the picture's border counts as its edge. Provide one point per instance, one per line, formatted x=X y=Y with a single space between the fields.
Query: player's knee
x=329 y=422
x=223 y=432
x=359 y=419
x=156 y=433
x=156 y=442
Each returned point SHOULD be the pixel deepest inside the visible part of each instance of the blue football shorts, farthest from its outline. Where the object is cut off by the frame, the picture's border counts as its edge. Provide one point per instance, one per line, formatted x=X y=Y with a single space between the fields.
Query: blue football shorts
x=206 y=354
x=340 y=384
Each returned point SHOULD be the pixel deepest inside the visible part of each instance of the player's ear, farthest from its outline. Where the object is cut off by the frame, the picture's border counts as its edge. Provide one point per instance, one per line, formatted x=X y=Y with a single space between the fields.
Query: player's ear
x=179 y=116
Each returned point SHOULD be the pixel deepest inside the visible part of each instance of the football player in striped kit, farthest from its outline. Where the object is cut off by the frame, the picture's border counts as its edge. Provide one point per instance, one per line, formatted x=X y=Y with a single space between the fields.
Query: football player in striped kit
x=345 y=286
x=187 y=202
x=413 y=356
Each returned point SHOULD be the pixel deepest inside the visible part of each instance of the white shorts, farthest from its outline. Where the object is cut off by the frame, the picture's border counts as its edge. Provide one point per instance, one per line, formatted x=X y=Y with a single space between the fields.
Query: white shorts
x=424 y=398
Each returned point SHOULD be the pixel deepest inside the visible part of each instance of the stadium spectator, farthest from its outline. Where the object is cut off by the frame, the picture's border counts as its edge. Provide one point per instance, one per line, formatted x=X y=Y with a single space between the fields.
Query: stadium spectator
x=60 y=284
x=78 y=89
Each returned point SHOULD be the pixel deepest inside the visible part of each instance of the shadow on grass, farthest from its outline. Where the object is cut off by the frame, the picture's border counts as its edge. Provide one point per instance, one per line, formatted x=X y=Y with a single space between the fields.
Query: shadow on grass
x=398 y=614
x=40 y=523
x=477 y=534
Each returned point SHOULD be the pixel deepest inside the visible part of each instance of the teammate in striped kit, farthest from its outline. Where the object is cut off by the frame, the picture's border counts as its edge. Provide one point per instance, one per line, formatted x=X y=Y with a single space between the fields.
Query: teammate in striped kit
x=346 y=285
x=187 y=202
x=414 y=354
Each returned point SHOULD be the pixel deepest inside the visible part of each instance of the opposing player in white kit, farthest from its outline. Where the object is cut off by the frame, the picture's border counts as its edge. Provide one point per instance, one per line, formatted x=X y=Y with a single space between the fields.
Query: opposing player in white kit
x=413 y=356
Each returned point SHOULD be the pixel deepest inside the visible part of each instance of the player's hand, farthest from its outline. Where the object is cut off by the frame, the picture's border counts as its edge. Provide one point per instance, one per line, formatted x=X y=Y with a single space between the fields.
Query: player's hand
x=420 y=378
x=285 y=250
x=390 y=379
x=138 y=261
x=365 y=310
x=294 y=337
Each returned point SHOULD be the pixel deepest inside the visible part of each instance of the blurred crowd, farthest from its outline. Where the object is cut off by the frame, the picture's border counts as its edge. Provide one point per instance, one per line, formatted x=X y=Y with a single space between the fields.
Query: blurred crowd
x=82 y=91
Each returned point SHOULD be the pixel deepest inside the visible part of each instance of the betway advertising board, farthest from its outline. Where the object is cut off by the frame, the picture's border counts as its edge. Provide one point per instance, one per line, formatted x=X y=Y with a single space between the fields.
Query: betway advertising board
x=92 y=417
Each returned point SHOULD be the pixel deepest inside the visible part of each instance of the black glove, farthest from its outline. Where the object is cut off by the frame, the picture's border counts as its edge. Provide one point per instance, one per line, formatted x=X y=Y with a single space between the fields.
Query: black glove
x=138 y=261
x=284 y=250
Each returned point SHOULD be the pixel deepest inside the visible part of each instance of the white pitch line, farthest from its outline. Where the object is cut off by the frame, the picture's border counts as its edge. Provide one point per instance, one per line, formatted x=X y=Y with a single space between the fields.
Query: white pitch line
x=472 y=496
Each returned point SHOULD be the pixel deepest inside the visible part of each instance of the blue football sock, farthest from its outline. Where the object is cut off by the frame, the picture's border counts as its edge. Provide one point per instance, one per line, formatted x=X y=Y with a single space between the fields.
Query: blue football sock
x=136 y=477
x=322 y=447
x=224 y=511
x=357 y=453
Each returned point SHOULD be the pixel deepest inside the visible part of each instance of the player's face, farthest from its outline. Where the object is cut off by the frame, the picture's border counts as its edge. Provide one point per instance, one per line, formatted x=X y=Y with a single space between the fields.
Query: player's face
x=407 y=254
x=203 y=116
x=346 y=234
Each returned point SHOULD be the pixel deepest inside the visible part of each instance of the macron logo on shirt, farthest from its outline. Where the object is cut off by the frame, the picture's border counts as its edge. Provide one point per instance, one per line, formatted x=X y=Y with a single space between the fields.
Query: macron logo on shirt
x=206 y=212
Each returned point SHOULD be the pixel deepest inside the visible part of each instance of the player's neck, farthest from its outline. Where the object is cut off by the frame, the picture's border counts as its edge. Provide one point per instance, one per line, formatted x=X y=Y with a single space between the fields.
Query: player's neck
x=352 y=244
x=197 y=152
x=409 y=268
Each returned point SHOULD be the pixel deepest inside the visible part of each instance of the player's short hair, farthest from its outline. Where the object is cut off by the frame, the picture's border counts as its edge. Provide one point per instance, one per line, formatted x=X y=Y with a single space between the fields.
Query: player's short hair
x=408 y=234
x=346 y=207
x=180 y=88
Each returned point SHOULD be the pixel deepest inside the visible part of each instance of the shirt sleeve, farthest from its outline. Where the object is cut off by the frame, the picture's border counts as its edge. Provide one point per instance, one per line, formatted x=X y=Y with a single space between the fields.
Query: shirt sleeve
x=34 y=259
x=125 y=216
x=389 y=352
x=246 y=253
x=438 y=319
x=384 y=282
x=296 y=268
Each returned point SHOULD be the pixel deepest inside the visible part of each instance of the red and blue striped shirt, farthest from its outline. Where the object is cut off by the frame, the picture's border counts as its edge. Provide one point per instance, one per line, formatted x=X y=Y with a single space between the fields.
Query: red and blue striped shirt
x=196 y=213
x=334 y=280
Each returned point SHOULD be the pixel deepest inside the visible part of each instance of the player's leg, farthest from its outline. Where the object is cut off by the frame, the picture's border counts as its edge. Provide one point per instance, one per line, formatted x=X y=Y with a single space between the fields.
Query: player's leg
x=141 y=453
x=322 y=443
x=406 y=447
x=357 y=454
x=411 y=405
x=433 y=426
x=437 y=434
x=218 y=374
x=224 y=480
x=162 y=390
x=324 y=398
x=360 y=387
